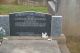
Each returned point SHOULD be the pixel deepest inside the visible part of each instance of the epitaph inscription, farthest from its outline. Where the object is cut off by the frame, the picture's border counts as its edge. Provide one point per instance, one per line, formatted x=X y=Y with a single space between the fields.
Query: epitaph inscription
x=29 y=23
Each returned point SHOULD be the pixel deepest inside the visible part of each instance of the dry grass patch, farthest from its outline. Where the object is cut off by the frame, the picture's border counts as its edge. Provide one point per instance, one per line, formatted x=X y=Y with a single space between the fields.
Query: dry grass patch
x=73 y=43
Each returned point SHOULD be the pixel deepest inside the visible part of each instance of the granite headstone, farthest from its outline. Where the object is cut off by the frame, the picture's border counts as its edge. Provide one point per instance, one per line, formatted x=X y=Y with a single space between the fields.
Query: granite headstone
x=56 y=25
x=4 y=23
x=29 y=23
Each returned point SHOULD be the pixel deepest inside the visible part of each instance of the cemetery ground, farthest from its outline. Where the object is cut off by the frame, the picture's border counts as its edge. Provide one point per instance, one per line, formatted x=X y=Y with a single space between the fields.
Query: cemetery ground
x=73 y=42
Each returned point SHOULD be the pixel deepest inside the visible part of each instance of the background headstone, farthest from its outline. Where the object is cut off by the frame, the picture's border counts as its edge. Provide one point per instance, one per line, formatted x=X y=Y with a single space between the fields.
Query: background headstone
x=4 y=22
x=56 y=25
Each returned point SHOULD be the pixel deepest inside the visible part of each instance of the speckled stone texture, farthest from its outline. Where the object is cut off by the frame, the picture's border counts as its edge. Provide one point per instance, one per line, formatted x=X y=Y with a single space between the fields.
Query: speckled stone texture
x=30 y=46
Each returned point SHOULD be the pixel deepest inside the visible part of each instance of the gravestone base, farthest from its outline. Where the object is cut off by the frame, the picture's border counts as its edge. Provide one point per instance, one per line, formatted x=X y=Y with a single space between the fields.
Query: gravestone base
x=26 y=38
x=61 y=39
x=30 y=46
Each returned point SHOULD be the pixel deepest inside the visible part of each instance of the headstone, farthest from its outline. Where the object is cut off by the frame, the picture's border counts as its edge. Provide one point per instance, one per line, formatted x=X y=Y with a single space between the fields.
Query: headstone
x=4 y=23
x=30 y=23
x=53 y=6
x=2 y=31
x=56 y=25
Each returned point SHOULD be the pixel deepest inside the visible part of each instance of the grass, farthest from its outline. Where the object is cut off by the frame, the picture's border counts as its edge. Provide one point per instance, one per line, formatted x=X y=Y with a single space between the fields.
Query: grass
x=73 y=42
x=6 y=9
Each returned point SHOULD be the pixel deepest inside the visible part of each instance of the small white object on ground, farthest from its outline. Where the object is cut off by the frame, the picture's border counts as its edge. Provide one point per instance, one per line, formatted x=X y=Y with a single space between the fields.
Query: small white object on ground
x=0 y=43
x=62 y=35
x=5 y=38
x=2 y=31
x=50 y=39
x=44 y=35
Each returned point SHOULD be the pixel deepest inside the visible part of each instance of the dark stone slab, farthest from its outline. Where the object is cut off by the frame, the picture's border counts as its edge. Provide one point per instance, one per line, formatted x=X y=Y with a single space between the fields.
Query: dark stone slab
x=29 y=23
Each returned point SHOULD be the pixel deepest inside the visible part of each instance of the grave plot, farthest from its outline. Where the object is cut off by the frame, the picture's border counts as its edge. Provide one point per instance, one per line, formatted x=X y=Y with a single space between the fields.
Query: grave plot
x=30 y=46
